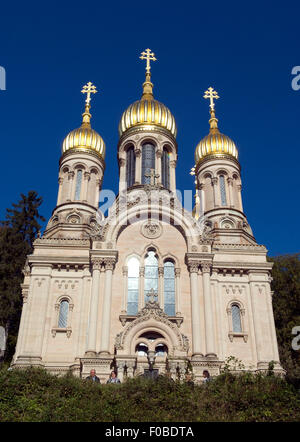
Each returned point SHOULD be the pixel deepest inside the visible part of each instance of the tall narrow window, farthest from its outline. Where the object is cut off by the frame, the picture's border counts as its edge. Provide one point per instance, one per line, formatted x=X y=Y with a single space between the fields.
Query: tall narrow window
x=130 y=166
x=236 y=318
x=148 y=162
x=165 y=169
x=151 y=274
x=222 y=190
x=63 y=314
x=133 y=286
x=169 y=288
x=78 y=184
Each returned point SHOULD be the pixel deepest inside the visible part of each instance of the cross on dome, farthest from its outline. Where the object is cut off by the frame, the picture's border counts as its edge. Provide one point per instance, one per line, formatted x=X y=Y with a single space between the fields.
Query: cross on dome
x=212 y=95
x=88 y=89
x=148 y=55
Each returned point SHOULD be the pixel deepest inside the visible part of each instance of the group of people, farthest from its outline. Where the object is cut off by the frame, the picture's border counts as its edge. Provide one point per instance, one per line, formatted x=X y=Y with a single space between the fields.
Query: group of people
x=113 y=379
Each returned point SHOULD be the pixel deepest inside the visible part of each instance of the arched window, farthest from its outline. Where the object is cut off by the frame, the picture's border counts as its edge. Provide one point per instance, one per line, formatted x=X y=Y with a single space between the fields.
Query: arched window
x=148 y=162
x=165 y=168
x=161 y=350
x=151 y=274
x=133 y=286
x=63 y=314
x=78 y=184
x=130 y=166
x=223 y=190
x=236 y=318
x=169 y=288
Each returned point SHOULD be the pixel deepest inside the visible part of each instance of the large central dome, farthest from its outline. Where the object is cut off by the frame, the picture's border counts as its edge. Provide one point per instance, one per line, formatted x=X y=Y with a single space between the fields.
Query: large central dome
x=147 y=113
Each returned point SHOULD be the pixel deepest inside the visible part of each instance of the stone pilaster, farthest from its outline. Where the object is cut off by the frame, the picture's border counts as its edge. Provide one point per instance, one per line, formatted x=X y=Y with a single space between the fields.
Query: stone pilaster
x=109 y=264
x=209 y=319
x=92 y=332
x=196 y=342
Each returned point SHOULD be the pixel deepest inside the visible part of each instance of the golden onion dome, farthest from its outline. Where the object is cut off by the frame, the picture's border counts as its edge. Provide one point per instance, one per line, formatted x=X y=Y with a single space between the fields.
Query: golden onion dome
x=215 y=143
x=147 y=112
x=85 y=138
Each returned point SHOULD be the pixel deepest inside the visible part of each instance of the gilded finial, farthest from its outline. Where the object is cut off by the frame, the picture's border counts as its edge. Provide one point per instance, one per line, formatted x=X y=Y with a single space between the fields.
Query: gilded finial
x=148 y=86
x=212 y=95
x=148 y=55
x=87 y=89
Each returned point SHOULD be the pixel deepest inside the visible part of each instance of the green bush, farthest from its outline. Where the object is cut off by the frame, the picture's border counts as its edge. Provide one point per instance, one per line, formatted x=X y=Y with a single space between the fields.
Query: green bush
x=33 y=395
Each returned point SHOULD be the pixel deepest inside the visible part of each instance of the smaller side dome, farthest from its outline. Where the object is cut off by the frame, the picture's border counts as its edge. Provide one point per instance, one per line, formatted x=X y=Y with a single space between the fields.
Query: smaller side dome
x=215 y=143
x=85 y=138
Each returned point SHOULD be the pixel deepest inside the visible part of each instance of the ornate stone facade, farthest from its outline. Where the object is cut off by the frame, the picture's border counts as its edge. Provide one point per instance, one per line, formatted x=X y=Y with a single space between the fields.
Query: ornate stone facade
x=93 y=299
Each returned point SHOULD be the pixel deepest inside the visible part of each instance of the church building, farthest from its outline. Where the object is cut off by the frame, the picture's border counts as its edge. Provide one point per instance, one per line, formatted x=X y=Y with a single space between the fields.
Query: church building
x=151 y=288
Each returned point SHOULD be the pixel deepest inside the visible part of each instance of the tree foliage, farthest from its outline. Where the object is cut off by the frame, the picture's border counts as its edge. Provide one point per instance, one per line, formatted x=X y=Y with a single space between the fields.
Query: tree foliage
x=17 y=234
x=286 y=306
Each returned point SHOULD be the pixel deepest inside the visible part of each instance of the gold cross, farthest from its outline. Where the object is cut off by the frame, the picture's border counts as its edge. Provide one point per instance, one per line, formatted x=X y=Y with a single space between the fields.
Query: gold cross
x=89 y=89
x=148 y=55
x=212 y=95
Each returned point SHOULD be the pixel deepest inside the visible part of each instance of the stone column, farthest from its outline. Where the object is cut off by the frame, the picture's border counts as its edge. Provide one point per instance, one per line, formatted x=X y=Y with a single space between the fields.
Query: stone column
x=230 y=194
x=25 y=292
x=177 y=291
x=141 y=288
x=93 y=317
x=125 y=285
x=97 y=191
x=158 y=167
x=161 y=287
x=202 y=198
x=193 y=269
x=239 y=189
x=214 y=182
x=60 y=185
x=71 y=182
x=106 y=309
x=122 y=178
x=208 y=313
x=130 y=368
x=258 y=337
x=138 y=166
x=172 y=175
x=271 y=322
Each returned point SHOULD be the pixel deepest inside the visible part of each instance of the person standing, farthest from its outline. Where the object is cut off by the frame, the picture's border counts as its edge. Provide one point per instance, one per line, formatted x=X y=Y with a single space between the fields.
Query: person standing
x=206 y=376
x=113 y=378
x=92 y=377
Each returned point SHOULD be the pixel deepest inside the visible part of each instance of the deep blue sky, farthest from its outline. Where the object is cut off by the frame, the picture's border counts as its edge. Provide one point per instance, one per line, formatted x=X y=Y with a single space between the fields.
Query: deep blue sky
x=245 y=51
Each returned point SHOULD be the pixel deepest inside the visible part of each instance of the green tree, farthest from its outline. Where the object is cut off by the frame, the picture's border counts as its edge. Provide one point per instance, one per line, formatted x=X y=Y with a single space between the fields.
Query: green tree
x=17 y=234
x=286 y=306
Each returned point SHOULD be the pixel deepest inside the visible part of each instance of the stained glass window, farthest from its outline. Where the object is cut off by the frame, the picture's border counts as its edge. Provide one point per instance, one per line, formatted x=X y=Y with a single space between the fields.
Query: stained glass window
x=151 y=274
x=148 y=161
x=223 y=190
x=236 y=318
x=63 y=314
x=169 y=288
x=78 y=184
x=130 y=166
x=165 y=169
x=133 y=286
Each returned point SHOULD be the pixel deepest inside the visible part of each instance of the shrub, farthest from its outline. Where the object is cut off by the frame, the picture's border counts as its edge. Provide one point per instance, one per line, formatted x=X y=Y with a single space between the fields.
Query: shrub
x=33 y=395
